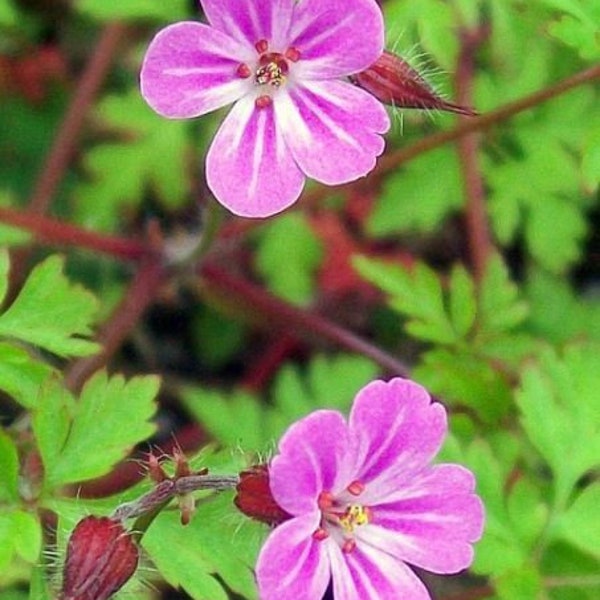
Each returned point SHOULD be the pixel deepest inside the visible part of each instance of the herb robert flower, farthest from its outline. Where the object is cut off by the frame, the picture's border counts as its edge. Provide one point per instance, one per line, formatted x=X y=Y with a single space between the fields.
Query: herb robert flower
x=364 y=501
x=283 y=64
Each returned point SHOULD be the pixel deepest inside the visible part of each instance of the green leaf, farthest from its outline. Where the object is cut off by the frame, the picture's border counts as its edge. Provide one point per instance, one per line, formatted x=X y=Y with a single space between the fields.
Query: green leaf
x=535 y=189
x=557 y=313
x=500 y=307
x=288 y=257
x=154 y=155
x=590 y=165
x=235 y=419
x=463 y=303
x=216 y=542
x=51 y=419
x=20 y=534
x=560 y=411
x=500 y=550
x=576 y=571
x=419 y=196
x=8 y=14
x=241 y=419
x=580 y=524
x=463 y=378
x=9 y=469
x=50 y=312
x=416 y=293
x=134 y=10
x=517 y=584
x=111 y=416
x=20 y=375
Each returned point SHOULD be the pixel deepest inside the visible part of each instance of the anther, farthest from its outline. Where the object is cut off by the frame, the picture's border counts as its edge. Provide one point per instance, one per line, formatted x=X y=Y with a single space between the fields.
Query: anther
x=263 y=101
x=325 y=501
x=292 y=54
x=356 y=488
x=320 y=534
x=243 y=71
x=349 y=546
x=261 y=46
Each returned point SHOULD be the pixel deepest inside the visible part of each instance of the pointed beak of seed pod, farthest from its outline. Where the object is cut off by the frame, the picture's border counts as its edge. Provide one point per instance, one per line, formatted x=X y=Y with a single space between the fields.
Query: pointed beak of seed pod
x=393 y=81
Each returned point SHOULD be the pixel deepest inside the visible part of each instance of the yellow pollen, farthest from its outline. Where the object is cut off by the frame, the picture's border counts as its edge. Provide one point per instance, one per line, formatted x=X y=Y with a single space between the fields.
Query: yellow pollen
x=271 y=74
x=354 y=516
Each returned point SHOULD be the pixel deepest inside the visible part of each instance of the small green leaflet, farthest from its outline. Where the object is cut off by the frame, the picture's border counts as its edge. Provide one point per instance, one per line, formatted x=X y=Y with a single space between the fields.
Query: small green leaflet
x=84 y=439
x=560 y=412
x=50 y=311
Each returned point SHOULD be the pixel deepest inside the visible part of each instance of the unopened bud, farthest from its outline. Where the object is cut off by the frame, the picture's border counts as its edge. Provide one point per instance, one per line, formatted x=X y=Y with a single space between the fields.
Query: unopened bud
x=101 y=558
x=254 y=497
x=393 y=81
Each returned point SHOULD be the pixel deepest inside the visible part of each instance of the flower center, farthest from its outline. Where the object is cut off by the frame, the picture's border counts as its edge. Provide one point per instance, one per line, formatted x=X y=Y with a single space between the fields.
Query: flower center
x=271 y=71
x=340 y=516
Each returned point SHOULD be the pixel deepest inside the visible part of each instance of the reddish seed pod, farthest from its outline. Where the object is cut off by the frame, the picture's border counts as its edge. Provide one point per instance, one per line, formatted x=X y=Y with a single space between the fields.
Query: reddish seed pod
x=101 y=558
x=393 y=81
x=254 y=497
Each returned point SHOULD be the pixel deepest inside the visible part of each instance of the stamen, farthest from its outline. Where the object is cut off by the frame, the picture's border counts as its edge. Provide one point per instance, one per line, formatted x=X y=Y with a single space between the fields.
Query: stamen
x=354 y=516
x=325 y=501
x=261 y=46
x=320 y=534
x=349 y=546
x=243 y=71
x=270 y=73
x=263 y=101
x=292 y=54
x=356 y=488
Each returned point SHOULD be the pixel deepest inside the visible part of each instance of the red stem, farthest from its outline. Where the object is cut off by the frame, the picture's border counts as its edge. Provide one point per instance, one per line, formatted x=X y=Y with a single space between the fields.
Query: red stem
x=299 y=322
x=58 y=233
x=66 y=139
x=478 y=236
x=390 y=161
x=140 y=295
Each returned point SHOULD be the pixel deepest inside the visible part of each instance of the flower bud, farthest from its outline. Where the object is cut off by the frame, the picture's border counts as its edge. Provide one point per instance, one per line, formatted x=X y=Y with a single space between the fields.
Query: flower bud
x=101 y=558
x=393 y=81
x=254 y=497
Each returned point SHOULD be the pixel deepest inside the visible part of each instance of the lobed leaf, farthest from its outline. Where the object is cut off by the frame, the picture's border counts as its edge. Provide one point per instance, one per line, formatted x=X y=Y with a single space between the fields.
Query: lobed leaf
x=50 y=311
x=83 y=440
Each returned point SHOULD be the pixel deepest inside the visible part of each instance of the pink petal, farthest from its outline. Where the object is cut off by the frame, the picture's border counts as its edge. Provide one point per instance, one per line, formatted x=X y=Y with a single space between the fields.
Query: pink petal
x=311 y=459
x=252 y=20
x=190 y=69
x=292 y=564
x=369 y=574
x=332 y=129
x=396 y=432
x=248 y=166
x=336 y=37
x=433 y=525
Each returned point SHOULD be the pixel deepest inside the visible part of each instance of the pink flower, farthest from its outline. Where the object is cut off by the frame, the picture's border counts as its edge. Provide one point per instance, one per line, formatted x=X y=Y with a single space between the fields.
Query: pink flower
x=365 y=501
x=282 y=63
